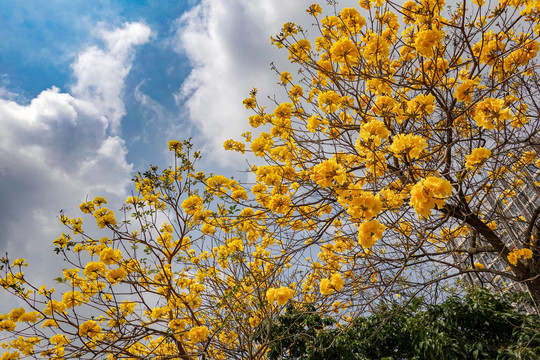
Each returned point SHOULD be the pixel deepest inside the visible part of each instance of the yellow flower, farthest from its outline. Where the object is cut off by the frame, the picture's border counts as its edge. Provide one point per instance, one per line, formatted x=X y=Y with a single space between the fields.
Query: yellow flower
x=60 y=339
x=280 y=295
x=366 y=4
x=104 y=217
x=361 y=205
x=337 y=281
x=384 y=105
x=284 y=294
x=314 y=10
x=15 y=314
x=409 y=9
x=198 y=334
x=428 y=193
x=110 y=256
x=76 y=225
x=54 y=306
x=421 y=104
x=327 y=171
x=228 y=338
x=477 y=158
x=427 y=40
x=491 y=113
x=98 y=201
x=30 y=317
x=516 y=254
x=72 y=299
x=526 y=253
x=521 y=56
x=254 y=321
x=175 y=145
x=62 y=241
x=465 y=90
x=289 y=28
x=376 y=49
x=373 y=132
x=94 y=269
x=7 y=325
x=49 y=323
x=378 y=86
x=285 y=77
x=115 y=275
x=250 y=103
x=408 y=144
x=279 y=203
x=352 y=20
x=345 y=51
x=479 y=266
x=325 y=287
x=87 y=207
x=256 y=120
x=192 y=204
x=262 y=144
x=313 y=122
x=89 y=329
x=299 y=51
x=369 y=232
x=127 y=307
x=512 y=258
x=329 y=101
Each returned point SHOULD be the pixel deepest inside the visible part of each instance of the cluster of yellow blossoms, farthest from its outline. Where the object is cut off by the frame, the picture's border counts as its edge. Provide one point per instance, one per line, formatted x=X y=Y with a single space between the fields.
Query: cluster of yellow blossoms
x=477 y=158
x=335 y=283
x=428 y=193
x=517 y=254
x=280 y=295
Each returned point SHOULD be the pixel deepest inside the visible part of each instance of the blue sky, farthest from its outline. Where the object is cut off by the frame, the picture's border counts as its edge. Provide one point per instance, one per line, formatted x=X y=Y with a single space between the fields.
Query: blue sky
x=91 y=91
x=41 y=40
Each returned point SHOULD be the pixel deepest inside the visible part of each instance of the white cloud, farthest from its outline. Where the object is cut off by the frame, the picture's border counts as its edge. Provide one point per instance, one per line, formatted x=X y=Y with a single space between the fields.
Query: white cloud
x=100 y=72
x=228 y=44
x=59 y=148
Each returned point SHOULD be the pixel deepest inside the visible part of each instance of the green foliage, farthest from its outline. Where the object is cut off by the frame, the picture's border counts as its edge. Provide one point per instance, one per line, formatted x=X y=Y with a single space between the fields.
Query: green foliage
x=479 y=325
x=296 y=330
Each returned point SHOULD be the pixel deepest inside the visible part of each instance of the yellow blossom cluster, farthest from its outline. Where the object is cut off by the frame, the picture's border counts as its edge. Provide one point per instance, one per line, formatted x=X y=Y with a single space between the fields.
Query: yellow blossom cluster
x=409 y=145
x=198 y=333
x=280 y=295
x=517 y=254
x=491 y=113
x=369 y=232
x=465 y=90
x=325 y=173
x=477 y=158
x=428 y=193
x=427 y=40
x=335 y=283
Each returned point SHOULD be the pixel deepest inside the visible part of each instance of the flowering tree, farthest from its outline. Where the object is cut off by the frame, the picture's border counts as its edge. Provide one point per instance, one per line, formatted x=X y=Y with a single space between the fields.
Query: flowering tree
x=179 y=276
x=409 y=131
x=404 y=144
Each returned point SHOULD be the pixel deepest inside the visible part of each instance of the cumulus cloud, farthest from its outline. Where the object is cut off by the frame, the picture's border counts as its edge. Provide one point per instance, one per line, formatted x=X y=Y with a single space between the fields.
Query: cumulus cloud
x=101 y=72
x=228 y=44
x=61 y=147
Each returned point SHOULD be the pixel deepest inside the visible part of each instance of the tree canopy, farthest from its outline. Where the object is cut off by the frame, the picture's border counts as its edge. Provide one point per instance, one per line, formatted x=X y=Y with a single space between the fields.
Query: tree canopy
x=480 y=325
x=392 y=168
